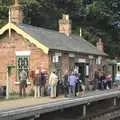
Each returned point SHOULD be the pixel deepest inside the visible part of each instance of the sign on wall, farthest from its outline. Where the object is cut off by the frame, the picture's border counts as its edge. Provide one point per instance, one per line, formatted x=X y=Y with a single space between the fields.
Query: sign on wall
x=58 y=54
x=81 y=60
x=99 y=60
x=90 y=57
x=55 y=59
x=87 y=70
x=71 y=55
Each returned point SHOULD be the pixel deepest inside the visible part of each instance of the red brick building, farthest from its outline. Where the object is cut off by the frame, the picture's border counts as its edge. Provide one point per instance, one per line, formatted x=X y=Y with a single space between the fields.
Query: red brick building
x=28 y=47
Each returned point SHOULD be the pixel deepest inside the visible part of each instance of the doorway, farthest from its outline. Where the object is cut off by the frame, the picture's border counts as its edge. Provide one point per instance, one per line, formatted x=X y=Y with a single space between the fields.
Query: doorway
x=81 y=71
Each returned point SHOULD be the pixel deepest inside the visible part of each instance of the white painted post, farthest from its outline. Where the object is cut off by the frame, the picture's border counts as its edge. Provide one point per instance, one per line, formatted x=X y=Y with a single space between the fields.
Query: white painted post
x=80 y=32
x=7 y=81
x=37 y=115
x=114 y=101
x=84 y=111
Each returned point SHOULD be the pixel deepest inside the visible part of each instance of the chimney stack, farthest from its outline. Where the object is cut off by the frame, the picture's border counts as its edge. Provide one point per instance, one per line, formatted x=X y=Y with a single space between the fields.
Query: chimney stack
x=16 y=13
x=65 y=25
x=99 y=45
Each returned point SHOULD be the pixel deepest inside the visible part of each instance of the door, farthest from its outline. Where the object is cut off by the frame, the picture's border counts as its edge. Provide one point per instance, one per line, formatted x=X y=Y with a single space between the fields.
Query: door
x=81 y=71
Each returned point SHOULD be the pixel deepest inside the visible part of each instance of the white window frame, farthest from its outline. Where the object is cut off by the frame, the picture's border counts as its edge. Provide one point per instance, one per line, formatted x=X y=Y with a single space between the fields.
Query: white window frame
x=22 y=54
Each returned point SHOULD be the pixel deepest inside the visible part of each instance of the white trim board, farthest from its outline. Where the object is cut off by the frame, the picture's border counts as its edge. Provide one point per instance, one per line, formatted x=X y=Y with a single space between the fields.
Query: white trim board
x=23 y=53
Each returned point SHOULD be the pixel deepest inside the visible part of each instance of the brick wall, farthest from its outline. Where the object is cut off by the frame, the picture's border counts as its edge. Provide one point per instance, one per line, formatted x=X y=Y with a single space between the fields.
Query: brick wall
x=8 y=56
x=65 y=63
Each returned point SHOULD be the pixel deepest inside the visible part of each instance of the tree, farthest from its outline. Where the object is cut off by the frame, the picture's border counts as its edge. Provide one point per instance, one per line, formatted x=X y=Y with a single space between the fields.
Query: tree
x=98 y=18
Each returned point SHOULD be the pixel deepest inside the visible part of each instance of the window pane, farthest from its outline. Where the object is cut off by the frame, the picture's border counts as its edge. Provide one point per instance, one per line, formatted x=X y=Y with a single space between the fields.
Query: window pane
x=22 y=64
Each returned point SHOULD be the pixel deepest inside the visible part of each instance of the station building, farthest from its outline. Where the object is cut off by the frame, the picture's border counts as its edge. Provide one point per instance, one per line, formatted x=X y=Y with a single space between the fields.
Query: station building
x=28 y=47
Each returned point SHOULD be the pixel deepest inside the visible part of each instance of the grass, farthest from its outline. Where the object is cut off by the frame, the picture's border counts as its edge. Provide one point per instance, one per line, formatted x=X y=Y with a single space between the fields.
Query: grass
x=14 y=96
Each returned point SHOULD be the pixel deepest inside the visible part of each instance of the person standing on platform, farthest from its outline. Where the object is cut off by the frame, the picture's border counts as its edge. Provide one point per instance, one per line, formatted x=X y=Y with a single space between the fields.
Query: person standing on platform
x=97 y=81
x=77 y=87
x=36 y=83
x=72 y=84
x=66 y=84
x=108 y=81
x=53 y=80
x=42 y=82
x=23 y=83
x=104 y=82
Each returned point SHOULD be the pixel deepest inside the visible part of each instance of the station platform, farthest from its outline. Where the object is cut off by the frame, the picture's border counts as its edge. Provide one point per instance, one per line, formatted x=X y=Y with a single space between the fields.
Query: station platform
x=26 y=101
x=29 y=106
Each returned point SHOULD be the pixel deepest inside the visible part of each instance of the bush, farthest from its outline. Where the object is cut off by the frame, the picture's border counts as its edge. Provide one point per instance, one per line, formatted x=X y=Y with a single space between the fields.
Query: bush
x=14 y=93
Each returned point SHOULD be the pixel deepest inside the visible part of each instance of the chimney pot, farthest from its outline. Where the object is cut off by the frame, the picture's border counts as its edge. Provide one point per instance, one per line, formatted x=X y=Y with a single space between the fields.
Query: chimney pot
x=65 y=17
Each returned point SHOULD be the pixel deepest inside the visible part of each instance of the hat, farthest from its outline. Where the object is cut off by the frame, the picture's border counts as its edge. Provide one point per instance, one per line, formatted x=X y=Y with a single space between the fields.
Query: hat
x=43 y=70
x=37 y=71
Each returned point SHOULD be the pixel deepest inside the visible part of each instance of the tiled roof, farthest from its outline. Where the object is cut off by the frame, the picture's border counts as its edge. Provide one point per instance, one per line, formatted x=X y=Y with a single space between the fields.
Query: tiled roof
x=59 y=41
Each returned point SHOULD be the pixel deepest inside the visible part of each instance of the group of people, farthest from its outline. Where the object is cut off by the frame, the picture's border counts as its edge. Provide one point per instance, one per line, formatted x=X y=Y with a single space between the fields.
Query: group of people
x=73 y=86
x=103 y=81
x=39 y=81
x=71 y=83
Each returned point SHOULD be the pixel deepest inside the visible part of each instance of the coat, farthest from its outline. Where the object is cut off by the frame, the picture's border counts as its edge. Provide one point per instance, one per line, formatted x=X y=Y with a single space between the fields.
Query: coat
x=42 y=79
x=53 y=79
x=65 y=82
x=36 y=80
x=72 y=80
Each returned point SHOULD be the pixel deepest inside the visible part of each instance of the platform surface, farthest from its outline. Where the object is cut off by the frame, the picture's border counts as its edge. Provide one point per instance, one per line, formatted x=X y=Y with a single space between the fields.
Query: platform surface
x=30 y=106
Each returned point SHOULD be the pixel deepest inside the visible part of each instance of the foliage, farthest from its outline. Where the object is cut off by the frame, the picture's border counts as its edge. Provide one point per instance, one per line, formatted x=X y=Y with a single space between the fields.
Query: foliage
x=97 y=18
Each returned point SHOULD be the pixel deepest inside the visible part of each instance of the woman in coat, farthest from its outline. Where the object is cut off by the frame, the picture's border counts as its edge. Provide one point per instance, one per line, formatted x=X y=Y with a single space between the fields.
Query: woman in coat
x=53 y=80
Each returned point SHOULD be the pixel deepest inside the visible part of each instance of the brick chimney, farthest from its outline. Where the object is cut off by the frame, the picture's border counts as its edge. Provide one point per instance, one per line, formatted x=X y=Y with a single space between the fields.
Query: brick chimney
x=99 y=45
x=16 y=13
x=65 y=25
